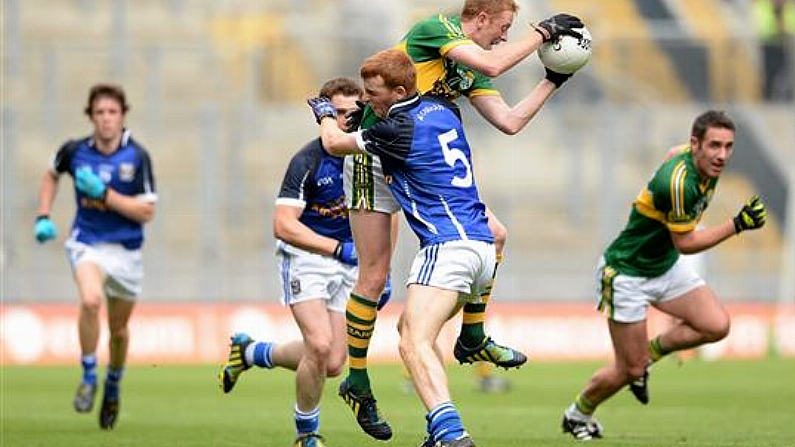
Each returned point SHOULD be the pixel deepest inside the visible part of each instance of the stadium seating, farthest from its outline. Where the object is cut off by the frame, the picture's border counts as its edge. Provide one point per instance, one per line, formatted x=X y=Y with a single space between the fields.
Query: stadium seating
x=217 y=90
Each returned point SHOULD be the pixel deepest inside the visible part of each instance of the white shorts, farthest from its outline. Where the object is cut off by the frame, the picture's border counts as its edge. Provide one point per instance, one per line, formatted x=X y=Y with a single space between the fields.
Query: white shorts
x=626 y=299
x=309 y=276
x=463 y=266
x=123 y=268
x=365 y=185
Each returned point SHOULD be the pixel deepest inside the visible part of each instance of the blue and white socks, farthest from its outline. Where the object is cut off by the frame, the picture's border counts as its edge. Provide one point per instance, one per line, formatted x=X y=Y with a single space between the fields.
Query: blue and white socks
x=112 y=379
x=444 y=423
x=89 y=364
x=259 y=353
x=307 y=422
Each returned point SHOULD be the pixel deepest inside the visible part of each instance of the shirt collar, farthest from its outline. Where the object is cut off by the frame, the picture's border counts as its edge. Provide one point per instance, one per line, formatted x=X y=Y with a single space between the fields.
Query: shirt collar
x=125 y=139
x=404 y=104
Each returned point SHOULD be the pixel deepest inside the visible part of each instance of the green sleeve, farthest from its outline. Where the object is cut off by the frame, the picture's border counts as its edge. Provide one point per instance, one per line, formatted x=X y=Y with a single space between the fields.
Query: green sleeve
x=431 y=38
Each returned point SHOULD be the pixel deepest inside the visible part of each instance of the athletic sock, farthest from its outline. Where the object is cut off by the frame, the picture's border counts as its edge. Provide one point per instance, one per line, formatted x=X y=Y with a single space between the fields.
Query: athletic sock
x=583 y=407
x=308 y=422
x=656 y=351
x=89 y=364
x=260 y=354
x=472 y=330
x=444 y=423
x=360 y=314
x=112 y=379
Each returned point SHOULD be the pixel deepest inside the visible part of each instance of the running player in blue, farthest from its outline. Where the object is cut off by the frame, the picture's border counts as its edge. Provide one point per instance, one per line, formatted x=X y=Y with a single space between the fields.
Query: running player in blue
x=114 y=196
x=427 y=163
x=318 y=263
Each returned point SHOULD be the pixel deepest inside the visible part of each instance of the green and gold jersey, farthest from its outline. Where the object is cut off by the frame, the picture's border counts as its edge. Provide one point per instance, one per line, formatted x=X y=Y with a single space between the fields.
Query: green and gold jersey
x=426 y=43
x=672 y=202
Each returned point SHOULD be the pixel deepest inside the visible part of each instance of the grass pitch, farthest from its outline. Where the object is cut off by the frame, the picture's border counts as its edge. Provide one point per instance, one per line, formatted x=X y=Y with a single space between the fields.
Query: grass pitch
x=699 y=403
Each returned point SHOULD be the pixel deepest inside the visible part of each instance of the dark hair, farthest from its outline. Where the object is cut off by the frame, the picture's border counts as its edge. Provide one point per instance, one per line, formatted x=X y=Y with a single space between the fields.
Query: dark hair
x=708 y=119
x=341 y=86
x=111 y=91
x=394 y=67
x=491 y=7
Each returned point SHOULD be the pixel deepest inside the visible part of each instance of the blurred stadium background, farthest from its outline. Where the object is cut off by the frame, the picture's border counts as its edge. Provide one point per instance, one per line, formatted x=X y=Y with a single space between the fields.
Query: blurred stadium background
x=217 y=89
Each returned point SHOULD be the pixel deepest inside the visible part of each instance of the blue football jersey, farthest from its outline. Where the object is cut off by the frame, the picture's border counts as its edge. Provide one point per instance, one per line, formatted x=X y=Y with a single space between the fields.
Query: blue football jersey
x=313 y=181
x=127 y=171
x=428 y=165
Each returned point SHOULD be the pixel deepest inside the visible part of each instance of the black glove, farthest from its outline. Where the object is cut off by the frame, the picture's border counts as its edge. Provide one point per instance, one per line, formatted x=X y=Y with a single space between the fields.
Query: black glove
x=354 y=118
x=322 y=107
x=559 y=25
x=752 y=216
x=557 y=78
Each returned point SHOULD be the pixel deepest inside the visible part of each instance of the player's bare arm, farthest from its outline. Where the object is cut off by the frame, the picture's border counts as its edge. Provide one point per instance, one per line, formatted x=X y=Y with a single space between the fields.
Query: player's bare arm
x=288 y=228
x=131 y=207
x=697 y=241
x=511 y=120
x=500 y=58
x=336 y=141
x=491 y=54
x=47 y=193
x=752 y=216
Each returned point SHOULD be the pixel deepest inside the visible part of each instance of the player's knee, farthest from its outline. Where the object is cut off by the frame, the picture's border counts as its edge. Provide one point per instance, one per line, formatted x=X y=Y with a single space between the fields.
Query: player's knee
x=90 y=305
x=372 y=284
x=118 y=334
x=335 y=366
x=319 y=349
x=717 y=331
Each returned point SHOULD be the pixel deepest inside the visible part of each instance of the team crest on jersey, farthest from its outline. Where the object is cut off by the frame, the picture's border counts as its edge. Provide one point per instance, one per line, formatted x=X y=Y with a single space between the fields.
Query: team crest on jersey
x=702 y=203
x=105 y=172
x=466 y=78
x=295 y=286
x=126 y=172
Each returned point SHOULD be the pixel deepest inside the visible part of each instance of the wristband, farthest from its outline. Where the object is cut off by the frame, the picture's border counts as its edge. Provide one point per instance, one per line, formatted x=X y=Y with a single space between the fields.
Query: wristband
x=338 y=250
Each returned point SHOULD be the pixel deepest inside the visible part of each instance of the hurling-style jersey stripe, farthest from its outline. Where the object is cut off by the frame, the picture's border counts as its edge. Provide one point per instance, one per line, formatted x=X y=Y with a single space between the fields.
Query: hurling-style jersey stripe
x=644 y=204
x=461 y=231
x=678 y=189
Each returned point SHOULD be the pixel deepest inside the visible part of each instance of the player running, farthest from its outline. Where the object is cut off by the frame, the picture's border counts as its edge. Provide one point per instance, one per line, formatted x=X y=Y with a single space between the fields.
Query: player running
x=643 y=266
x=114 y=196
x=317 y=262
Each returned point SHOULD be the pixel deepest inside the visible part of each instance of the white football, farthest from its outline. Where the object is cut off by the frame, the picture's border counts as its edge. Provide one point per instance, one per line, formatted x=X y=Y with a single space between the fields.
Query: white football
x=568 y=53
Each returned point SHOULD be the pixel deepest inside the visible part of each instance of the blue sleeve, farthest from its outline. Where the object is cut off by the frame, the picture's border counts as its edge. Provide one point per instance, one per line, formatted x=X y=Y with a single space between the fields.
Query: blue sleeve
x=145 y=177
x=300 y=170
x=63 y=157
x=390 y=138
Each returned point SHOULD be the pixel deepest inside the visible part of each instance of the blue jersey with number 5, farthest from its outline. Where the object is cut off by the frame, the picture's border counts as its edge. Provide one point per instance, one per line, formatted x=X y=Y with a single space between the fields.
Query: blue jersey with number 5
x=428 y=166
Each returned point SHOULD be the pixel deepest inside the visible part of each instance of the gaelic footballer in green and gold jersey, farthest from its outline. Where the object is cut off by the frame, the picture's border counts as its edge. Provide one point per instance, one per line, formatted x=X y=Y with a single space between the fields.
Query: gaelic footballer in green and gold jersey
x=642 y=267
x=673 y=201
x=427 y=43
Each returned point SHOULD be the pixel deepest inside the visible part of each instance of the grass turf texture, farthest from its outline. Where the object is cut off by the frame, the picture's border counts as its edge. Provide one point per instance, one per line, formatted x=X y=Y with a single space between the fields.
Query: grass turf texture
x=699 y=403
